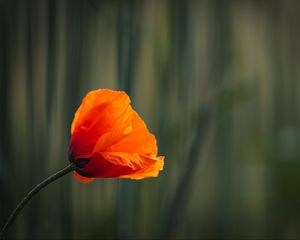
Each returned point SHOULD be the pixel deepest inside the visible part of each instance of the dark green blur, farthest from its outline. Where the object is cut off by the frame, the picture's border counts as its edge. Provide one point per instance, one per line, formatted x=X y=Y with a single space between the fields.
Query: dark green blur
x=217 y=82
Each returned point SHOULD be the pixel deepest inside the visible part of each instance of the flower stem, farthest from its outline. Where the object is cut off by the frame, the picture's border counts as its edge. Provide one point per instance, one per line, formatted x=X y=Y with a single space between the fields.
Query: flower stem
x=35 y=190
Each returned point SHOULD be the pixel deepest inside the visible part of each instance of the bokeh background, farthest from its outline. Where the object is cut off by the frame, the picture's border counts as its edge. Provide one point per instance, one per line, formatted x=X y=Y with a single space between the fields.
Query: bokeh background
x=217 y=82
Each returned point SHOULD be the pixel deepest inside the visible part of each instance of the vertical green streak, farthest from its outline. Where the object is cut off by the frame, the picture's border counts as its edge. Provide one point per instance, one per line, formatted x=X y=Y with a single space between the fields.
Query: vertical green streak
x=185 y=70
x=72 y=94
x=184 y=58
x=52 y=66
x=33 y=216
x=279 y=105
x=126 y=45
x=127 y=52
x=283 y=198
x=6 y=191
x=223 y=137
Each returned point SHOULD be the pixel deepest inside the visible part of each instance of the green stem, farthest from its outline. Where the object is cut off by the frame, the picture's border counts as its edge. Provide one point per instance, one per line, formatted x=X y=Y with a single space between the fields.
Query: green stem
x=35 y=190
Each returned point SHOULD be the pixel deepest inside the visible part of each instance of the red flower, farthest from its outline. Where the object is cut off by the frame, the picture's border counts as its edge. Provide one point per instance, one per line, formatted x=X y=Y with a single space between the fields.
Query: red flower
x=110 y=140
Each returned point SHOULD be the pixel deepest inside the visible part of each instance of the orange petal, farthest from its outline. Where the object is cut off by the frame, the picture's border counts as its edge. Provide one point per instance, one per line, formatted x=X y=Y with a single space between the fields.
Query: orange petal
x=114 y=138
x=139 y=141
x=81 y=178
x=151 y=171
x=93 y=105
x=115 y=135
x=123 y=165
x=101 y=112
x=100 y=167
x=132 y=160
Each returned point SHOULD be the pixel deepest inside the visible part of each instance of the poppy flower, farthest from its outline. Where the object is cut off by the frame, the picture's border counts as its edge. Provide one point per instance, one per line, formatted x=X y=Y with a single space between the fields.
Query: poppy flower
x=110 y=140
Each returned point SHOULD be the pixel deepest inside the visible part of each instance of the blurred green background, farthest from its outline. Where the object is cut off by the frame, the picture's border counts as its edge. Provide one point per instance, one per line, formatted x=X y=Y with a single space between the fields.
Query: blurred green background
x=216 y=81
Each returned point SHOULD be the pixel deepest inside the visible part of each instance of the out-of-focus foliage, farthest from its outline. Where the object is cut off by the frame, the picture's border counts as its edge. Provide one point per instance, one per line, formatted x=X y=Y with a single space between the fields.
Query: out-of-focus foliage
x=216 y=81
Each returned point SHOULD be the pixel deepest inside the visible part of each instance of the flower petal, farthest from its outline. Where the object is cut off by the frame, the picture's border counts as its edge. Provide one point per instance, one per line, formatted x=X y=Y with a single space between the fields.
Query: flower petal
x=124 y=165
x=132 y=160
x=100 y=167
x=139 y=141
x=93 y=105
x=113 y=138
x=101 y=112
x=82 y=178
x=151 y=171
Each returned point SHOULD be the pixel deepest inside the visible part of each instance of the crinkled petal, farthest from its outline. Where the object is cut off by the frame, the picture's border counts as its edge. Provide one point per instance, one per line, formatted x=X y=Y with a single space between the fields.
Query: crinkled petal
x=139 y=141
x=101 y=113
x=132 y=160
x=112 y=139
x=151 y=171
x=100 y=167
x=123 y=165
x=94 y=104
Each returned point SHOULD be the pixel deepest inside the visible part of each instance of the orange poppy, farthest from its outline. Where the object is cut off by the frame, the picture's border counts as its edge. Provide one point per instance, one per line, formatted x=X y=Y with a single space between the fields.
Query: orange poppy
x=110 y=140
